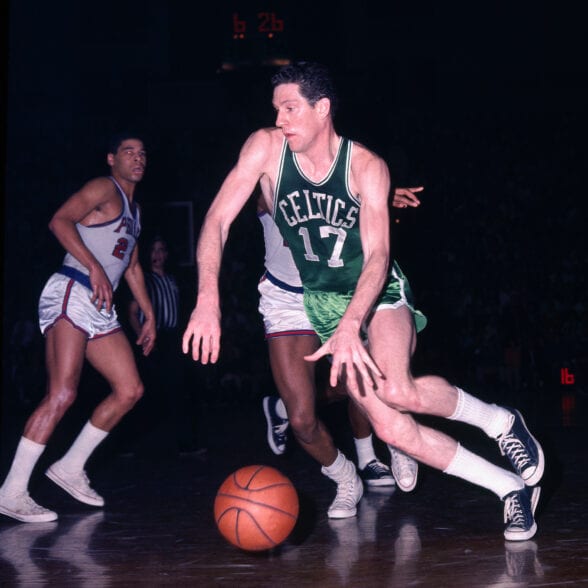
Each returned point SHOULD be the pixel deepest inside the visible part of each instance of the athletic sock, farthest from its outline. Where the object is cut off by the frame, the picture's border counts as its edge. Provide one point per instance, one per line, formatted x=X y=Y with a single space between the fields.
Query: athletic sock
x=492 y=419
x=365 y=451
x=88 y=439
x=26 y=456
x=340 y=470
x=475 y=469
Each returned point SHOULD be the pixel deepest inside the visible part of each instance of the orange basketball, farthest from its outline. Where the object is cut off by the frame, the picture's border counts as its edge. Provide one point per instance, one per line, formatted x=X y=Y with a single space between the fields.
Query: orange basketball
x=256 y=508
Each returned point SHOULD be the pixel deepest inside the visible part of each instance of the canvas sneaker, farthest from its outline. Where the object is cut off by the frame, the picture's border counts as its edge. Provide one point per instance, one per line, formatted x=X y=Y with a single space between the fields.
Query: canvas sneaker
x=375 y=473
x=522 y=449
x=519 y=510
x=404 y=469
x=23 y=508
x=277 y=427
x=349 y=493
x=75 y=483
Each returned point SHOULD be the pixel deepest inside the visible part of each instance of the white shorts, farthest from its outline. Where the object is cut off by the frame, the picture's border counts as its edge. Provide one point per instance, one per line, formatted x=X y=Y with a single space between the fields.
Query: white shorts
x=282 y=309
x=65 y=298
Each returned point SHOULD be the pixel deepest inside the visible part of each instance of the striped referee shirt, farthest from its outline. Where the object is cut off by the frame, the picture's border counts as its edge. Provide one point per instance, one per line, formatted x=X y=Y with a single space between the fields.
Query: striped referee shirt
x=165 y=298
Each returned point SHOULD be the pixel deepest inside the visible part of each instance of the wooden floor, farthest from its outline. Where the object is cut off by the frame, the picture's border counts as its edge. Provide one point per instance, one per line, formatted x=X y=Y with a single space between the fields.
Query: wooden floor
x=157 y=528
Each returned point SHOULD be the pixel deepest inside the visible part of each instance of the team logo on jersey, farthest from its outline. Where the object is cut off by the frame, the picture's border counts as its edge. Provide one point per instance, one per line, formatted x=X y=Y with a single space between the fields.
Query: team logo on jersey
x=298 y=208
x=130 y=226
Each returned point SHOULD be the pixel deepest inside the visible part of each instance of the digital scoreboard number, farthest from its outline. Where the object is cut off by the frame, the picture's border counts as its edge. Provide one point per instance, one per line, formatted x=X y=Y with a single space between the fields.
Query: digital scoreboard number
x=257 y=39
x=266 y=24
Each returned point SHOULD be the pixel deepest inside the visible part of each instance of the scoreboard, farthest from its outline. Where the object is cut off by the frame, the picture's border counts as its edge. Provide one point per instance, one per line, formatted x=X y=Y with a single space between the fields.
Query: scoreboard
x=255 y=38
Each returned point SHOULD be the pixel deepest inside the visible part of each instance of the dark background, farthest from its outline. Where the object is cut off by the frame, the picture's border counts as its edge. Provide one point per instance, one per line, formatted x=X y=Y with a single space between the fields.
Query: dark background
x=483 y=104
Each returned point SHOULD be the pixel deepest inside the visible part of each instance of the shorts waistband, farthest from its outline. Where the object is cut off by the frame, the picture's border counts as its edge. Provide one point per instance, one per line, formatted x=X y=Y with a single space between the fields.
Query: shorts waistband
x=74 y=274
x=283 y=285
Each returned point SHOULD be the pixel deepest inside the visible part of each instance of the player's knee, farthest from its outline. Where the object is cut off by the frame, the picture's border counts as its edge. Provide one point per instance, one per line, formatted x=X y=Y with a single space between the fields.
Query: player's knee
x=304 y=426
x=132 y=394
x=60 y=399
x=400 y=395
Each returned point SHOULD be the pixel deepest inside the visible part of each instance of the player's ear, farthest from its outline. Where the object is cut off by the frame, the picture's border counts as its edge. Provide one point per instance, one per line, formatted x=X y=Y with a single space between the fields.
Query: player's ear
x=110 y=159
x=323 y=107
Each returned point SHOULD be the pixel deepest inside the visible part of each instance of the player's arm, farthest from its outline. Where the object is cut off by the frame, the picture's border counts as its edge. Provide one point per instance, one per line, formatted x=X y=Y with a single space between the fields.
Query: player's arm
x=136 y=281
x=77 y=207
x=203 y=329
x=349 y=356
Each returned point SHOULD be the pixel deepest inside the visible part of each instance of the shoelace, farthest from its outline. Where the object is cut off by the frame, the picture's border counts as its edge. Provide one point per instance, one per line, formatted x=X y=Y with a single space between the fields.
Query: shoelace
x=513 y=447
x=280 y=430
x=377 y=468
x=405 y=464
x=345 y=495
x=514 y=512
x=33 y=507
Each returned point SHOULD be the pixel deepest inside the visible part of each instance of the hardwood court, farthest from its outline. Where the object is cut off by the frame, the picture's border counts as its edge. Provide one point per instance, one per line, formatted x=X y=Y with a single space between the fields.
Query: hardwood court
x=157 y=528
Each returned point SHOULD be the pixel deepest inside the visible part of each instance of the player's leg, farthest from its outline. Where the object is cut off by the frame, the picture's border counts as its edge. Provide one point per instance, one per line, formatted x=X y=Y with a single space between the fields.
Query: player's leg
x=295 y=380
x=113 y=358
x=434 y=395
x=403 y=469
x=64 y=356
x=392 y=335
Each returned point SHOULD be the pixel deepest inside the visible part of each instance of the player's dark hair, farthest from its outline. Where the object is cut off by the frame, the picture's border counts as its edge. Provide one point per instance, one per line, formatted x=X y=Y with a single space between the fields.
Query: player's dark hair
x=313 y=79
x=117 y=139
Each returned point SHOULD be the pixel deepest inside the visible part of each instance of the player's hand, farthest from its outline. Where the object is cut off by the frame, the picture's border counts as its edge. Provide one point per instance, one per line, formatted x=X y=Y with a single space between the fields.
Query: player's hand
x=203 y=334
x=147 y=336
x=101 y=289
x=404 y=197
x=350 y=359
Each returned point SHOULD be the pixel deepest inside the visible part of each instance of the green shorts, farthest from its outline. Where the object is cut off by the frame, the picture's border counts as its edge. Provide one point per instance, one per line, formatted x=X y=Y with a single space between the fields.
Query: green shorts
x=325 y=309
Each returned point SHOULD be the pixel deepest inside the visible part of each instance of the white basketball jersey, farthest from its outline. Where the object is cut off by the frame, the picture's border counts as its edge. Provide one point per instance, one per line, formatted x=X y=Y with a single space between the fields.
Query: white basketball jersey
x=278 y=258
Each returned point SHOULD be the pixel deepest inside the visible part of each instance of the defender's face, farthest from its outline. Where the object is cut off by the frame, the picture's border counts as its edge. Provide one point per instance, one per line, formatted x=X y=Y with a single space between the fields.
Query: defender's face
x=129 y=161
x=299 y=121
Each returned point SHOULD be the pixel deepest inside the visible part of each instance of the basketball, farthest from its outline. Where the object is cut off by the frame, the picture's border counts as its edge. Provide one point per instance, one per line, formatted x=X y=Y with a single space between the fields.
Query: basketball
x=256 y=508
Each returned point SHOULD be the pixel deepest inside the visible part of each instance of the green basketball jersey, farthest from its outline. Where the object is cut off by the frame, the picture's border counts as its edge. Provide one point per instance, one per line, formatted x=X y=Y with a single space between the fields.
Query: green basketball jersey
x=320 y=222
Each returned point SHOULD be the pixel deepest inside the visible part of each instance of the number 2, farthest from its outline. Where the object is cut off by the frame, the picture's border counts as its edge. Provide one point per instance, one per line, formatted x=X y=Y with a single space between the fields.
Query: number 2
x=119 y=249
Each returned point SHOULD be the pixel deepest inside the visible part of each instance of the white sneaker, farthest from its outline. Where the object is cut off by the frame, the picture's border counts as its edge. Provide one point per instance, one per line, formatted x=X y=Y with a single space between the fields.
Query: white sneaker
x=349 y=493
x=404 y=469
x=76 y=484
x=23 y=508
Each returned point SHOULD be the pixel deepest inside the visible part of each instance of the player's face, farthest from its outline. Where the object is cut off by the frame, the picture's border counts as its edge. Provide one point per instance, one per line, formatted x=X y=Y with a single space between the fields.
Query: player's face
x=300 y=122
x=129 y=161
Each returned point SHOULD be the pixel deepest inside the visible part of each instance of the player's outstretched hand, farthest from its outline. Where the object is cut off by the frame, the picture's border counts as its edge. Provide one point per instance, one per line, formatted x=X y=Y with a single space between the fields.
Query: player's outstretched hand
x=203 y=335
x=350 y=359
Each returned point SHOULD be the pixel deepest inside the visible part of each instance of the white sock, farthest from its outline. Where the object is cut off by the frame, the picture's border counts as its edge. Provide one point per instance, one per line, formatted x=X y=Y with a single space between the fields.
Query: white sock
x=77 y=455
x=365 y=451
x=281 y=409
x=475 y=469
x=26 y=456
x=340 y=470
x=492 y=419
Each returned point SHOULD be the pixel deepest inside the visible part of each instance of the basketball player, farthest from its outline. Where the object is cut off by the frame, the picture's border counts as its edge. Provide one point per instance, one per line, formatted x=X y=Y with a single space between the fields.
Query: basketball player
x=290 y=338
x=98 y=227
x=329 y=198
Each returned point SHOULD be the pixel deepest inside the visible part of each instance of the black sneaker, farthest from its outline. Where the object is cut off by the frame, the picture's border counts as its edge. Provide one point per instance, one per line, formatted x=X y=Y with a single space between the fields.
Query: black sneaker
x=375 y=473
x=519 y=508
x=277 y=427
x=522 y=449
